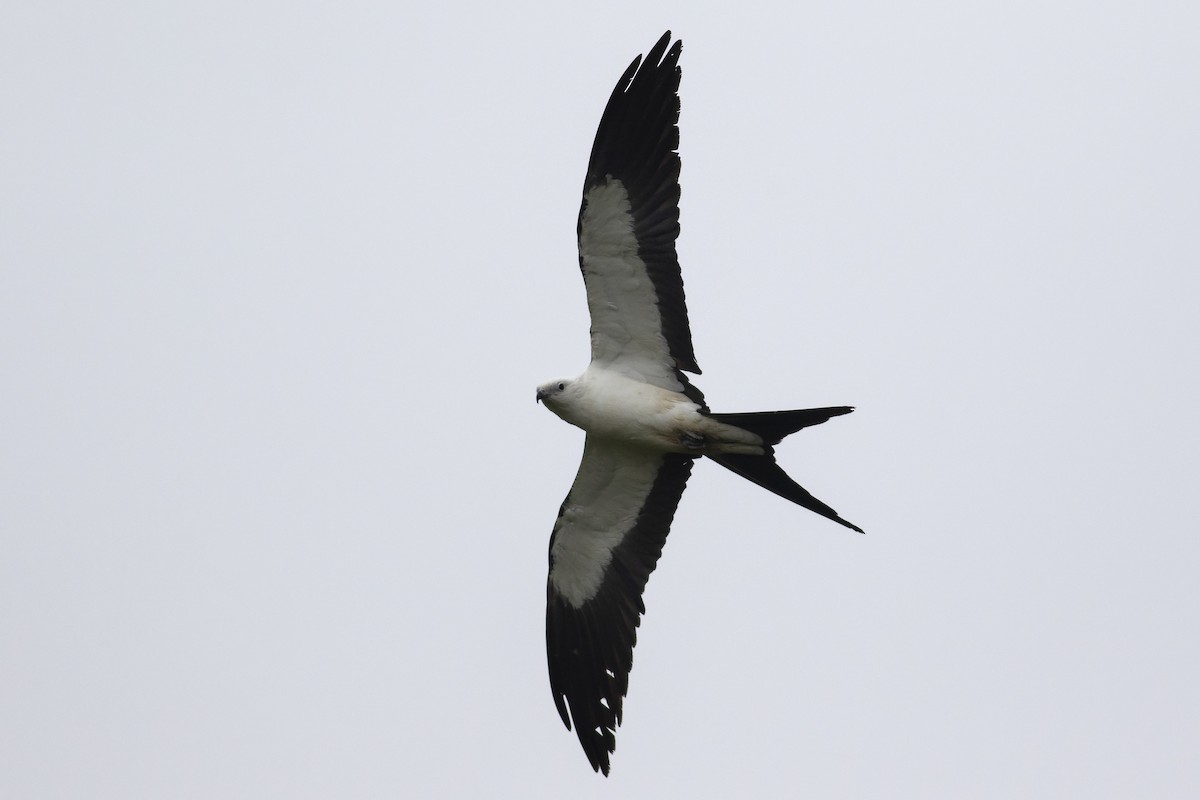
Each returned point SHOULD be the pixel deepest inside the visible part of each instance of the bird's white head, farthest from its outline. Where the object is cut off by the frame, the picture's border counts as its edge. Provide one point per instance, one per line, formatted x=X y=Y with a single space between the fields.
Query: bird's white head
x=552 y=392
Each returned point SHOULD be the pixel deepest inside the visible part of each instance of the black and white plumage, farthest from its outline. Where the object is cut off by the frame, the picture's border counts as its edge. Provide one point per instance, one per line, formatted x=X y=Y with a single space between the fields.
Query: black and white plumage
x=645 y=423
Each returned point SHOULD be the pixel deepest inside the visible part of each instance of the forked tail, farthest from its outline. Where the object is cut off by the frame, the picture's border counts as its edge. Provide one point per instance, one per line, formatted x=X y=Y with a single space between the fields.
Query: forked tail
x=773 y=426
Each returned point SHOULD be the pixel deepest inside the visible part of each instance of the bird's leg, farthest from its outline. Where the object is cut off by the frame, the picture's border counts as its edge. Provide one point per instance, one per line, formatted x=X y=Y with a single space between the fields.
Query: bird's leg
x=692 y=440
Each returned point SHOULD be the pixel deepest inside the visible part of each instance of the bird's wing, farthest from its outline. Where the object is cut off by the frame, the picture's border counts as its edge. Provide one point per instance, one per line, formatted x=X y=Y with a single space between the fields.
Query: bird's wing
x=628 y=224
x=607 y=539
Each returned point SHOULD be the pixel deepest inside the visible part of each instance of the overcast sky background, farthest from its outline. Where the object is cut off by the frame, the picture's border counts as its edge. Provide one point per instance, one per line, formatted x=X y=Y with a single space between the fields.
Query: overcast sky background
x=278 y=282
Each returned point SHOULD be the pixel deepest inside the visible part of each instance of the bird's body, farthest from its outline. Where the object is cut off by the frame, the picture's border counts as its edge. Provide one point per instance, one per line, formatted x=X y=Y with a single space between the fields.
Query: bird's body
x=614 y=407
x=646 y=424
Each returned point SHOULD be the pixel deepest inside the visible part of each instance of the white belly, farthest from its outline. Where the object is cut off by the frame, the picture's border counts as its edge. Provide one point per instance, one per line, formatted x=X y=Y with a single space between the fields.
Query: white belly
x=611 y=406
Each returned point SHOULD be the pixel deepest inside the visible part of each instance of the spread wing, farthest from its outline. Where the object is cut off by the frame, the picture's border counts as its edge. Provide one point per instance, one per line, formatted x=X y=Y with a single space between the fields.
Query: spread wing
x=607 y=539
x=628 y=224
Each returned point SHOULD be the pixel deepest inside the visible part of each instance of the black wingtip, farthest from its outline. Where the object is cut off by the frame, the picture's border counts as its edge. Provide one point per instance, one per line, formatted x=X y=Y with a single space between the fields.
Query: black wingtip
x=653 y=58
x=660 y=47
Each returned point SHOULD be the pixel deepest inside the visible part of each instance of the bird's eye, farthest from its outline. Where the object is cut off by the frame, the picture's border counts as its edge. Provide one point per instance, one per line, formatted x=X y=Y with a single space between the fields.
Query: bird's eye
x=562 y=386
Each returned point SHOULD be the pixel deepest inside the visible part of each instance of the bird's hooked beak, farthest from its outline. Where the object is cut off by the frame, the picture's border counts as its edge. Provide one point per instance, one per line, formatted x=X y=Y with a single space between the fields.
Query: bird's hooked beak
x=540 y=395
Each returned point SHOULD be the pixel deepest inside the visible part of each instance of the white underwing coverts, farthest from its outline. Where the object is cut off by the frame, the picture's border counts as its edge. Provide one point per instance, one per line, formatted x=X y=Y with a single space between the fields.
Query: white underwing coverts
x=646 y=424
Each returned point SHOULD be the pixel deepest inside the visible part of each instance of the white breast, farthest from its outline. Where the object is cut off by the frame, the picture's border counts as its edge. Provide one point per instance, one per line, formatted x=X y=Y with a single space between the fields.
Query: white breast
x=609 y=405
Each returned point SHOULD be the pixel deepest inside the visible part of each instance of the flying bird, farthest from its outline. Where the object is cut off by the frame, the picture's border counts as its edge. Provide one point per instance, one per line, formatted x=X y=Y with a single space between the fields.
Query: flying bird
x=645 y=423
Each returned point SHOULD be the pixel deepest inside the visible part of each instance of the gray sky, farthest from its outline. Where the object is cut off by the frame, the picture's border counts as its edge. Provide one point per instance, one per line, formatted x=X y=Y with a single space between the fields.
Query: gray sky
x=278 y=283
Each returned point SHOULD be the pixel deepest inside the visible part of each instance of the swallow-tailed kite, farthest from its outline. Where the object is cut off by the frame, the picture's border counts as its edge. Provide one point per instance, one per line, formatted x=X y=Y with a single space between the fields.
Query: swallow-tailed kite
x=645 y=422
